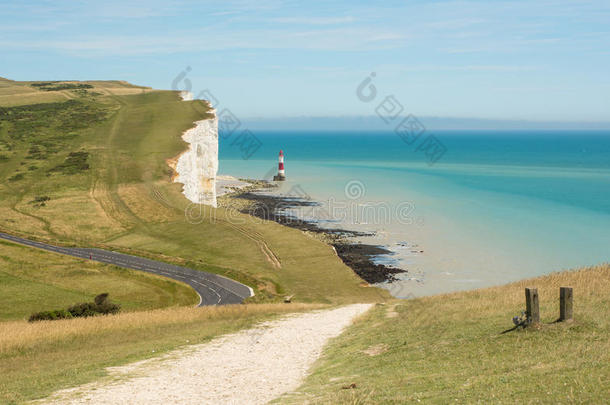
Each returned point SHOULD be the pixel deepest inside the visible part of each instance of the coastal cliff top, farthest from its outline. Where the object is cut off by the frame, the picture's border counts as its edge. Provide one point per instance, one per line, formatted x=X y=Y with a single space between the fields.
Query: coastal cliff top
x=14 y=93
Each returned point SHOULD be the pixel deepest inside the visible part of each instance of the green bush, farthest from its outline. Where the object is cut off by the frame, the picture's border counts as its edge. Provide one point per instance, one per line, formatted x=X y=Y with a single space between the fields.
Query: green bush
x=16 y=177
x=56 y=86
x=74 y=163
x=100 y=306
x=50 y=315
x=83 y=310
x=40 y=199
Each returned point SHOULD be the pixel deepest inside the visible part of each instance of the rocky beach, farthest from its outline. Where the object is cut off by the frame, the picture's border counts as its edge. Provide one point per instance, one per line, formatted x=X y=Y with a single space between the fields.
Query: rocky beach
x=259 y=201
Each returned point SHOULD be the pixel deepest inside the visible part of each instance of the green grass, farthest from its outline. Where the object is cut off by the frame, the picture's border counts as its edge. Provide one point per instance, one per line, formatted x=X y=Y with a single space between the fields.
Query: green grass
x=91 y=169
x=102 y=162
x=33 y=280
x=450 y=349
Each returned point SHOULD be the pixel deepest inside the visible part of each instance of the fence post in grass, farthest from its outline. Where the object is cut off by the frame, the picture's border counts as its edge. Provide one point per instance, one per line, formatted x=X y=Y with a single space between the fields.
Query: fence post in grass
x=532 y=309
x=565 y=303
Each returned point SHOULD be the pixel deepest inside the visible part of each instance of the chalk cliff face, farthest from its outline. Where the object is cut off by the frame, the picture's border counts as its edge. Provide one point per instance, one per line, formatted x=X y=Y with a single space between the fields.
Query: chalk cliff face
x=197 y=167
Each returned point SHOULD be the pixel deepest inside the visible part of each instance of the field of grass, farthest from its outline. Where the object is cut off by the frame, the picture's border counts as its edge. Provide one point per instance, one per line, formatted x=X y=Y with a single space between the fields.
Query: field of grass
x=33 y=280
x=85 y=164
x=449 y=349
x=92 y=171
x=39 y=358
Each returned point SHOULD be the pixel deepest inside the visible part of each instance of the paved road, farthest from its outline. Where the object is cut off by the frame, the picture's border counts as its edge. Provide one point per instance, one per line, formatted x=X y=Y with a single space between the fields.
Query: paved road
x=213 y=289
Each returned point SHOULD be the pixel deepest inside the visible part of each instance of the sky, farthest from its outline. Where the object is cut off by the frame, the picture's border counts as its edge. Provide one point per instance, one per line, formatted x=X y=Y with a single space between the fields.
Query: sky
x=546 y=60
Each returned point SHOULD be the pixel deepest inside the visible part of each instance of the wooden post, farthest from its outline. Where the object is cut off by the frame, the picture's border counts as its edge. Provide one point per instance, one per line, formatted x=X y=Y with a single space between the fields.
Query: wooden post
x=565 y=303
x=532 y=309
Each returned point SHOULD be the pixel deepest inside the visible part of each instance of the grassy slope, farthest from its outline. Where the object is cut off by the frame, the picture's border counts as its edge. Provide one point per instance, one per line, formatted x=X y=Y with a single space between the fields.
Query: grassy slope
x=449 y=348
x=39 y=358
x=125 y=201
x=32 y=280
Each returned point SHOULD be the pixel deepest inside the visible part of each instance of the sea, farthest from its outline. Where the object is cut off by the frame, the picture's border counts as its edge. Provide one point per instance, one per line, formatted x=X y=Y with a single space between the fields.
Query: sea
x=458 y=209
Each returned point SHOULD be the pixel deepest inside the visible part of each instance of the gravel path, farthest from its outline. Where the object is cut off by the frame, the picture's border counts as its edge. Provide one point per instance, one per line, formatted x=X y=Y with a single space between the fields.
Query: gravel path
x=249 y=367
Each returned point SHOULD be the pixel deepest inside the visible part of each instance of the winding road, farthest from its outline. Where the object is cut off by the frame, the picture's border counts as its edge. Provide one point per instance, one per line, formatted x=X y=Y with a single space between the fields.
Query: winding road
x=212 y=288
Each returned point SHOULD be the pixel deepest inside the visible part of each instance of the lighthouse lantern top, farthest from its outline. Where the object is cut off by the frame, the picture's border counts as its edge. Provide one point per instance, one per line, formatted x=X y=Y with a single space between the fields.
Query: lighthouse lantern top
x=281 y=152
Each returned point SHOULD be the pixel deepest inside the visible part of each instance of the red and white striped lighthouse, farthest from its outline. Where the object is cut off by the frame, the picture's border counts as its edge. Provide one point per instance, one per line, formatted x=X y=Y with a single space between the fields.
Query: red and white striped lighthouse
x=281 y=175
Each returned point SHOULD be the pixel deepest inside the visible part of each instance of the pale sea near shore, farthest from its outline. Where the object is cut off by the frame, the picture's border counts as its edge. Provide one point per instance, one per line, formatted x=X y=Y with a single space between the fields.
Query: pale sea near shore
x=498 y=206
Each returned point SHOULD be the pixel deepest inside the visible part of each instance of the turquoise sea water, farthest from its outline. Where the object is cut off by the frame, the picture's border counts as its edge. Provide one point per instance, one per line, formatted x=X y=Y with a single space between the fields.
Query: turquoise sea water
x=497 y=206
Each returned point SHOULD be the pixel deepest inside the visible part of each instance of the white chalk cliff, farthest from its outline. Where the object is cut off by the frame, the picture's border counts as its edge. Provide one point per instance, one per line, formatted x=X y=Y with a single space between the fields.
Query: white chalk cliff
x=197 y=167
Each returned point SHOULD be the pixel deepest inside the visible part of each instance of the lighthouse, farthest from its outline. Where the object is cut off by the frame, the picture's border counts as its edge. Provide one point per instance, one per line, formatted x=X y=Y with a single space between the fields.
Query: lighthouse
x=281 y=175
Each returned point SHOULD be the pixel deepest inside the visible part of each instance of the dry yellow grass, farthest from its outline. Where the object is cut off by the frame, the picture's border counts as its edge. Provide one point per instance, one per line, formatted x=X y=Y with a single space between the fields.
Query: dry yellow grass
x=138 y=199
x=31 y=98
x=587 y=282
x=22 y=93
x=10 y=219
x=40 y=358
x=74 y=214
x=22 y=335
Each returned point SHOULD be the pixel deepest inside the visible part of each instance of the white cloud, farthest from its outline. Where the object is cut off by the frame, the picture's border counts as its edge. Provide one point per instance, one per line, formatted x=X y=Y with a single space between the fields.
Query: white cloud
x=314 y=20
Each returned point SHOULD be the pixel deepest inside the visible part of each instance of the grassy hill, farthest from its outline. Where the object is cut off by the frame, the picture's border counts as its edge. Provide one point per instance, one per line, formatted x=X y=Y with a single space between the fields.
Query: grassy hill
x=450 y=349
x=84 y=163
x=32 y=280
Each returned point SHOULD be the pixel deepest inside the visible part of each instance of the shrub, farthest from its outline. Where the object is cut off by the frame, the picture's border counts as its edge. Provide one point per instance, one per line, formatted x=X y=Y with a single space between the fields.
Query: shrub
x=83 y=309
x=16 y=177
x=101 y=299
x=50 y=315
x=74 y=163
x=104 y=306
x=40 y=199
x=56 y=86
x=100 y=306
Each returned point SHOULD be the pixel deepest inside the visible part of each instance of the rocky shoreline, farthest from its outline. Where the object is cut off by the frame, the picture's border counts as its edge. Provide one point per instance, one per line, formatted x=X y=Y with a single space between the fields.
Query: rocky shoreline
x=359 y=257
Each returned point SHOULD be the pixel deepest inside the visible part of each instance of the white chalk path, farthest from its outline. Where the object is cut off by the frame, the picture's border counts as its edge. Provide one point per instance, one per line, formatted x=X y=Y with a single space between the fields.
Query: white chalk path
x=249 y=367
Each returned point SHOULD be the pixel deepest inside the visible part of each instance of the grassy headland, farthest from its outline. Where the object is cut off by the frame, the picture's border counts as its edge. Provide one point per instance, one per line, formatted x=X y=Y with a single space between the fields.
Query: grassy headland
x=85 y=164
x=91 y=170
x=450 y=349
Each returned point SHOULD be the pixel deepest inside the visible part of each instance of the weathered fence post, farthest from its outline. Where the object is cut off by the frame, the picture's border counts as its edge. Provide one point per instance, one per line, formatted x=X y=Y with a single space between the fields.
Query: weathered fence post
x=565 y=303
x=532 y=309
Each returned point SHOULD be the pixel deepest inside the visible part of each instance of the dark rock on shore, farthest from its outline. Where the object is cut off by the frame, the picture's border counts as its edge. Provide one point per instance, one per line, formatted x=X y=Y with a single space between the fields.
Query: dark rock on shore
x=359 y=257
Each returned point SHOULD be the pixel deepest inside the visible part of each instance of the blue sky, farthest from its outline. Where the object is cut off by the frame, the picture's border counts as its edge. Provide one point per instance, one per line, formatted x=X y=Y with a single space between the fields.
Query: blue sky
x=533 y=60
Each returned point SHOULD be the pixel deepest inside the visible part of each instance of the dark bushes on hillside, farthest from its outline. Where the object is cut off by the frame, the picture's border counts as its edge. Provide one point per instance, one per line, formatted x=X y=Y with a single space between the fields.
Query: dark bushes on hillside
x=57 y=86
x=40 y=201
x=100 y=306
x=76 y=162
x=16 y=177
x=50 y=315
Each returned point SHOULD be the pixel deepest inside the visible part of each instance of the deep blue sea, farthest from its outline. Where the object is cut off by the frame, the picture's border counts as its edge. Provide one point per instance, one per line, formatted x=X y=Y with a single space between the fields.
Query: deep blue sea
x=481 y=208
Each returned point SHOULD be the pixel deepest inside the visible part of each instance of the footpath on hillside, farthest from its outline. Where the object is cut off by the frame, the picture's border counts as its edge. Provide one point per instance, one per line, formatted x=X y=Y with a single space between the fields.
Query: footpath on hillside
x=253 y=366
